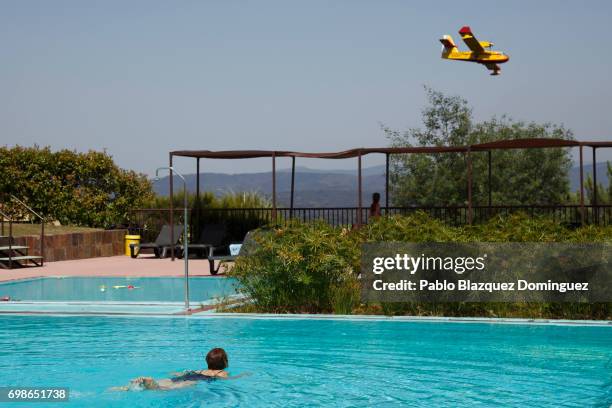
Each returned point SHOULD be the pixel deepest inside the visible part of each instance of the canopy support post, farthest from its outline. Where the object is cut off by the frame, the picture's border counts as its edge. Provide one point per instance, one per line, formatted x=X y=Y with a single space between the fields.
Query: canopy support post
x=196 y=226
x=387 y=183
x=595 y=209
x=292 y=186
x=274 y=186
x=359 y=198
x=171 y=206
x=490 y=182
x=582 y=215
x=198 y=180
x=469 y=187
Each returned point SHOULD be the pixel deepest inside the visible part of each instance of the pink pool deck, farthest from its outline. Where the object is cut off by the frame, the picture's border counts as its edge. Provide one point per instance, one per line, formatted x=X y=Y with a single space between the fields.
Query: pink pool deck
x=112 y=266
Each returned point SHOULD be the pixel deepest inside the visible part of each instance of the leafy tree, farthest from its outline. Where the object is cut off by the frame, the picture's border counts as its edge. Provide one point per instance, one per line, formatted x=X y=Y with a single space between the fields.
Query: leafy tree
x=522 y=176
x=604 y=195
x=85 y=189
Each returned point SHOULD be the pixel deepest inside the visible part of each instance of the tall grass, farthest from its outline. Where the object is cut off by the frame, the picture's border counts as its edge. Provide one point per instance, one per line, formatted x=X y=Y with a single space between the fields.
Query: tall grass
x=205 y=211
x=304 y=268
x=209 y=200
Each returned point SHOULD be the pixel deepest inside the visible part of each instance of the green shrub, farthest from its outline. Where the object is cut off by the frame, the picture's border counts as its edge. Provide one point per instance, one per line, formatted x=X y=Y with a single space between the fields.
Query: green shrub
x=313 y=268
x=418 y=227
x=299 y=269
x=519 y=228
x=85 y=189
x=345 y=295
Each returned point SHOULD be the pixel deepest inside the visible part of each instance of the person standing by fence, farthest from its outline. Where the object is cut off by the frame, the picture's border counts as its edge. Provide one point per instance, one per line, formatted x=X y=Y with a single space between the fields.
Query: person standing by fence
x=375 y=206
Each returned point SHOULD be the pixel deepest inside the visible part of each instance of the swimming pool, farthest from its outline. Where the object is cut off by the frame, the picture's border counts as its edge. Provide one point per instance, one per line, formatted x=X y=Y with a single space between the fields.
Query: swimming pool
x=113 y=294
x=312 y=362
x=113 y=289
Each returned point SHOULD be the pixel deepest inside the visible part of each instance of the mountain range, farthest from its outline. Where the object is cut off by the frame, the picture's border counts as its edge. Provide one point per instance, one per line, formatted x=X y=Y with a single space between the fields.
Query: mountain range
x=317 y=188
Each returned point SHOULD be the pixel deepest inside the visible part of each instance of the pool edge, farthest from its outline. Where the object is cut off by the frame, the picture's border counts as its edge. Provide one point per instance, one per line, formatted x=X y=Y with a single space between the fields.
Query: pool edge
x=211 y=314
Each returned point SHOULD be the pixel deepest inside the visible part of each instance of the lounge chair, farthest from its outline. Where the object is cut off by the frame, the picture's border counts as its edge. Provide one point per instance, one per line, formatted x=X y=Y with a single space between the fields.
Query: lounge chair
x=229 y=257
x=162 y=244
x=212 y=236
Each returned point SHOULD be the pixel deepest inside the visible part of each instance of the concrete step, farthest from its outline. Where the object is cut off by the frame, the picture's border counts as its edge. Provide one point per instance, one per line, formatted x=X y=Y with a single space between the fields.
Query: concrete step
x=22 y=258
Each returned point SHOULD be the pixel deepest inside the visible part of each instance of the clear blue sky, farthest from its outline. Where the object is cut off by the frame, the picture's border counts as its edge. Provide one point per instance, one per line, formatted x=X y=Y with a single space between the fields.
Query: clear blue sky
x=141 y=78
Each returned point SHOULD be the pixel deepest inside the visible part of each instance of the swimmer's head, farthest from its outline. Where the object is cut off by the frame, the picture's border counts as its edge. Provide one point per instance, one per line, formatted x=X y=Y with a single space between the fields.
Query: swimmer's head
x=217 y=359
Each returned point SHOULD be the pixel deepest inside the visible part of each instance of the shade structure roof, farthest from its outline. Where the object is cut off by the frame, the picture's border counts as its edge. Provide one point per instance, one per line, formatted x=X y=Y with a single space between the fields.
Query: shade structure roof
x=346 y=154
x=525 y=144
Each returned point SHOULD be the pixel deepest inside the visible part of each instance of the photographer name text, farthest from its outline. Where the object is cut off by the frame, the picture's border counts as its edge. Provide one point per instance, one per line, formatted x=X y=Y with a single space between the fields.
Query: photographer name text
x=468 y=285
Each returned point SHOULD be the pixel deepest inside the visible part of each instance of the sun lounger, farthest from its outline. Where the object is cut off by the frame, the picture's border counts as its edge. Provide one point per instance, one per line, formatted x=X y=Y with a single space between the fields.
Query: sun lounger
x=212 y=235
x=162 y=244
x=233 y=251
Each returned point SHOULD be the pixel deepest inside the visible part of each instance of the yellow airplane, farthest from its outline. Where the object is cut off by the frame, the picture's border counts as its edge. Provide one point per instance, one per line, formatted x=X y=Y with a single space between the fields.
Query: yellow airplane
x=480 y=51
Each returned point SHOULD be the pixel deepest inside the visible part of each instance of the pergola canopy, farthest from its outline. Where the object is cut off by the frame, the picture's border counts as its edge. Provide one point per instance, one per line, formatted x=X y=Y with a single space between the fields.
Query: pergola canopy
x=347 y=154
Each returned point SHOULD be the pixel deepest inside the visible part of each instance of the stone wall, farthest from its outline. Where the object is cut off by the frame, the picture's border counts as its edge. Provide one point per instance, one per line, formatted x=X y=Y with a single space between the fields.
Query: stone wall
x=77 y=245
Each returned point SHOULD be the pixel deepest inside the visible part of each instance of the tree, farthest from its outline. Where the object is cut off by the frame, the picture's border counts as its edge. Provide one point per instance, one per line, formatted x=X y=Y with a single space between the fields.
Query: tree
x=522 y=176
x=604 y=195
x=86 y=189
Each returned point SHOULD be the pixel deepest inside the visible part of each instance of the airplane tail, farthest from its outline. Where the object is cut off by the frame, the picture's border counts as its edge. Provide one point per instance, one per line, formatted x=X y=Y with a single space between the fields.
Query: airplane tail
x=449 y=46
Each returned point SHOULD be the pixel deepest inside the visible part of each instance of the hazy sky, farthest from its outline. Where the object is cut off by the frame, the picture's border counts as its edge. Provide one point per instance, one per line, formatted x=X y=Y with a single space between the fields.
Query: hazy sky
x=141 y=78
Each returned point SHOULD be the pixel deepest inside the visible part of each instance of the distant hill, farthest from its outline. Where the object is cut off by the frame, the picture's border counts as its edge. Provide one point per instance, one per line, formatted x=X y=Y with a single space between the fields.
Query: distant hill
x=602 y=175
x=318 y=188
x=313 y=188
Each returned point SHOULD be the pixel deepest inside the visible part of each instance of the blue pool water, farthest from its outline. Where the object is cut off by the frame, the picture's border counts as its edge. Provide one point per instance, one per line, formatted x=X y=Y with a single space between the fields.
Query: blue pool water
x=312 y=362
x=102 y=289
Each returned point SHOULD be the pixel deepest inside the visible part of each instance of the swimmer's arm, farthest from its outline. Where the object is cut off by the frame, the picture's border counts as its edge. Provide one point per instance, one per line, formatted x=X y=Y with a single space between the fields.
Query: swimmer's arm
x=234 y=377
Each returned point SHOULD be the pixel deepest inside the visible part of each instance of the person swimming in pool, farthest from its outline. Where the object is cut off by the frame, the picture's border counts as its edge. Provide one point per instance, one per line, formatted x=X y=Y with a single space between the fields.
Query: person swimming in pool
x=216 y=361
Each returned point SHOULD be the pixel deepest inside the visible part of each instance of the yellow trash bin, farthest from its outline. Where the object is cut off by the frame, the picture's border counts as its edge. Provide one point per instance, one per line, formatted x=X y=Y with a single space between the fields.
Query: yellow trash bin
x=131 y=239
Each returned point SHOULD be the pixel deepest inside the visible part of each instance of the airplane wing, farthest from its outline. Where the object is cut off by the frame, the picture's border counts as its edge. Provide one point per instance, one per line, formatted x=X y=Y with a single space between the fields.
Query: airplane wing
x=471 y=41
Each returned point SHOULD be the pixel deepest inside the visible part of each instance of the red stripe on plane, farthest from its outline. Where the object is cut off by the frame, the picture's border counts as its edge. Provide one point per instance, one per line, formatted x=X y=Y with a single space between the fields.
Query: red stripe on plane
x=465 y=30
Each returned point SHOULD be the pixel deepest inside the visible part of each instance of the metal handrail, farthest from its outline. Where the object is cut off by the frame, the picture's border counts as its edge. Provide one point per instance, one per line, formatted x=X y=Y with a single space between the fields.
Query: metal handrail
x=27 y=207
x=42 y=227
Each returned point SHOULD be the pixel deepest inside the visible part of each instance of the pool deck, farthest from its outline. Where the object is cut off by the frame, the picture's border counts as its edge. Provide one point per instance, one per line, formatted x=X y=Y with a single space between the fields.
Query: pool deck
x=145 y=266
